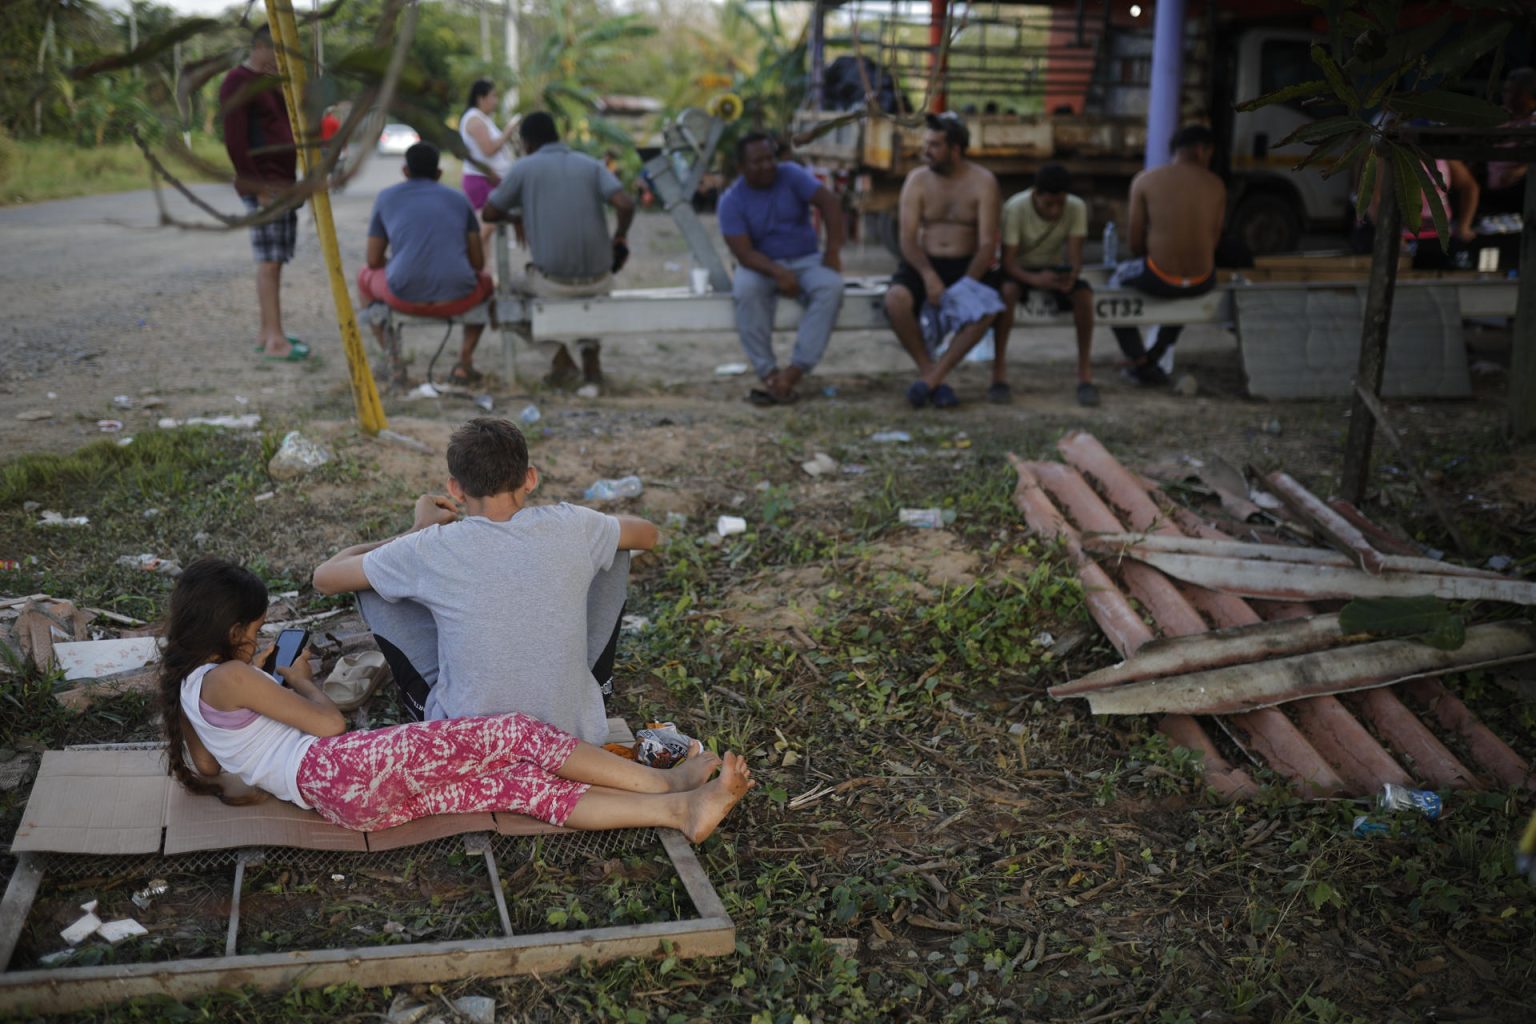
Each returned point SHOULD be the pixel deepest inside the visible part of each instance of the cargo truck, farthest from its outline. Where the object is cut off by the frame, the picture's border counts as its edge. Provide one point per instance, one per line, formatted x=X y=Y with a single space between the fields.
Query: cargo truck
x=1067 y=83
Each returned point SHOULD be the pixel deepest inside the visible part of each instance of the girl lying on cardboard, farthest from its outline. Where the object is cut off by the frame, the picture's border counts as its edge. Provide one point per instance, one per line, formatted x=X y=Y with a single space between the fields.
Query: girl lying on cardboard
x=289 y=740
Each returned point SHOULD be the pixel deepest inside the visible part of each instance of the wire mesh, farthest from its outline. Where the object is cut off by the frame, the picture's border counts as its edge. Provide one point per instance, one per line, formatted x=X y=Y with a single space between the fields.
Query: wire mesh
x=296 y=899
x=589 y=880
x=567 y=848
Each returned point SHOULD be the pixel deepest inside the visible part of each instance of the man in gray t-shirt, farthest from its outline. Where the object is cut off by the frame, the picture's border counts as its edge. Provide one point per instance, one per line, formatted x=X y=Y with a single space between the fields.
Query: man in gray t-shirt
x=520 y=598
x=556 y=199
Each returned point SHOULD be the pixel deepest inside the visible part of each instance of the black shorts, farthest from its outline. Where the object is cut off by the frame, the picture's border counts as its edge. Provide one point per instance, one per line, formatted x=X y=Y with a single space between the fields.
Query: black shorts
x=949 y=269
x=1063 y=299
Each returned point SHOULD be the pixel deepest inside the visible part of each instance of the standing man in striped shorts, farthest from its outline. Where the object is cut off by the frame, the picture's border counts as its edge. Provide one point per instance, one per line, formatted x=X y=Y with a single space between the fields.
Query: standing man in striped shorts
x=259 y=139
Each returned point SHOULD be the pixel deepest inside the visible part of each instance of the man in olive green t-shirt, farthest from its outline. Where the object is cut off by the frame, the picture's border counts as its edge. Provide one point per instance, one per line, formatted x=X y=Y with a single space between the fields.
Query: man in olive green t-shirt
x=1043 y=232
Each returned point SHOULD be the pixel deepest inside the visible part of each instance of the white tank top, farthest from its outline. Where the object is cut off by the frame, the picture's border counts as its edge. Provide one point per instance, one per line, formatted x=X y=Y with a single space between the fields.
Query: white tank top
x=265 y=753
x=500 y=162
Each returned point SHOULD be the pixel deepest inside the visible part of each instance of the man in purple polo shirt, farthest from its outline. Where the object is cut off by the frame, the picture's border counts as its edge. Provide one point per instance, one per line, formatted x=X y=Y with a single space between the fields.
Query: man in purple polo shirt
x=765 y=217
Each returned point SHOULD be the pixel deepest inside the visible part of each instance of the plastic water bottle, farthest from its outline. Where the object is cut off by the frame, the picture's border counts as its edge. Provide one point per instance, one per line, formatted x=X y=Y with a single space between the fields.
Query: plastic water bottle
x=607 y=490
x=926 y=518
x=1111 y=245
x=1401 y=798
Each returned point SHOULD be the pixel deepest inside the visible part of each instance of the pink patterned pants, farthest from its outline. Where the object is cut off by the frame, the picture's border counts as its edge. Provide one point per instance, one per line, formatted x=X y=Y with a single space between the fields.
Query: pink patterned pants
x=380 y=778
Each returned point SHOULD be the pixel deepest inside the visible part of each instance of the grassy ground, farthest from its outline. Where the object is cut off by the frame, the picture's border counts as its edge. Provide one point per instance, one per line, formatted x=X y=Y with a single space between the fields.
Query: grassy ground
x=934 y=838
x=56 y=169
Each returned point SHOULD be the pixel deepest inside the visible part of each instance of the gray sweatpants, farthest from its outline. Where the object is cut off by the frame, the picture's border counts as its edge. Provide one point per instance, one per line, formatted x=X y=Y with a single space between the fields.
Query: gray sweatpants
x=756 y=295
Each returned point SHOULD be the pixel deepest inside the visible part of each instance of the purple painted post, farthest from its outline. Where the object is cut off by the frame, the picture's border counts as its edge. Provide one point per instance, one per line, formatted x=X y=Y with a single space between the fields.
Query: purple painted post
x=818 y=56
x=1167 y=80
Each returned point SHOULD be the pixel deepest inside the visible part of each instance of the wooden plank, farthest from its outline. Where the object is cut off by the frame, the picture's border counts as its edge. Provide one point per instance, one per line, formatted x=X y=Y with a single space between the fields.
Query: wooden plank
x=1240 y=688
x=17 y=904
x=1332 y=525
x=1282 y=581
x=686 y=862
x=1122 y=543
x=68 y=990
x=1237 y=645
x=232 y=933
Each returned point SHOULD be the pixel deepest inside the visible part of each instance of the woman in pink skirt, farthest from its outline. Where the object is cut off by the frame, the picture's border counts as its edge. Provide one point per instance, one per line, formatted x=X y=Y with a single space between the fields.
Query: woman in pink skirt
x=290 y=741
x=489 y=149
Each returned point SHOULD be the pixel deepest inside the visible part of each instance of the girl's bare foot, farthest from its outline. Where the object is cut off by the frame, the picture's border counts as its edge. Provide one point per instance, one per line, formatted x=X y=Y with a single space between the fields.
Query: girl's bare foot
x=709 y=804
x=695 y=771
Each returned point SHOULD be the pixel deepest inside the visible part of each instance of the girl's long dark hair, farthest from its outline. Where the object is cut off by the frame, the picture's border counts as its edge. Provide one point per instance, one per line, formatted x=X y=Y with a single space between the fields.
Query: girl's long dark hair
x=479 y=89
x=212 y=598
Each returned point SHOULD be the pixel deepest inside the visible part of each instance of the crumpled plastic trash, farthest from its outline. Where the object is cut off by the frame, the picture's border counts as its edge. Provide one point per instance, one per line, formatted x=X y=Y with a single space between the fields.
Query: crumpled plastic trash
x=52 y=518
x=819 y=465
x=125 y=928
x=249 y=421
x=150 y=562
x=890 y=437
x=297 y=456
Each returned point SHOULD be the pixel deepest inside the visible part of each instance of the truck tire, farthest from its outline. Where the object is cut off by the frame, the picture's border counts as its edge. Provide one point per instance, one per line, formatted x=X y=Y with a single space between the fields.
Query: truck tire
x=1267 y=223
x=884 y=228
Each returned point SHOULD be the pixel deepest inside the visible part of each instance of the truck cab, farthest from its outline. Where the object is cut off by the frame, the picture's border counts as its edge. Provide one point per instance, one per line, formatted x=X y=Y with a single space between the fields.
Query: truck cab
x=1271 y=204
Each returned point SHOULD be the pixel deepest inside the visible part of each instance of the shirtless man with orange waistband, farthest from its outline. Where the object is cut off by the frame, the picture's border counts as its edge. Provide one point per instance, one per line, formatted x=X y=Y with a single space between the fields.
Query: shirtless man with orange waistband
x=1176 y=216
x=949 y=228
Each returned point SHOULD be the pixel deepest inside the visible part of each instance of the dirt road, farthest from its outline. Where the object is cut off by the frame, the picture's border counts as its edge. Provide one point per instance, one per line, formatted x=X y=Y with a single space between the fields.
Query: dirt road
x=102 y=301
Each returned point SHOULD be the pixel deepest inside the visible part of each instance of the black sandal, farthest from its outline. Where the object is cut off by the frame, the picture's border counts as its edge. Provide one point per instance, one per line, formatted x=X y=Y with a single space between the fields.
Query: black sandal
x=461 y=374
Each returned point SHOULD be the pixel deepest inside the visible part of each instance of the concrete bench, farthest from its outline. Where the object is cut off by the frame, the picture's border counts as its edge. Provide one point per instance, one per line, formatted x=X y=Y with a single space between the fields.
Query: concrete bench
x=1308 y=332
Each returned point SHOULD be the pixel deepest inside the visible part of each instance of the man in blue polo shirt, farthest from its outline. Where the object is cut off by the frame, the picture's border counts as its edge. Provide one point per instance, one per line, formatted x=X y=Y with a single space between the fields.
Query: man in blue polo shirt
x=435 y=265
x=765 y=217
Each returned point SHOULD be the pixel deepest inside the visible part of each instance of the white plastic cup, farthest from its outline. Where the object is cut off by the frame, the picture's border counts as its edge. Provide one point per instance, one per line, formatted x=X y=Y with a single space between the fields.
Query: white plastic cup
x=727 y=525
x=698 y=281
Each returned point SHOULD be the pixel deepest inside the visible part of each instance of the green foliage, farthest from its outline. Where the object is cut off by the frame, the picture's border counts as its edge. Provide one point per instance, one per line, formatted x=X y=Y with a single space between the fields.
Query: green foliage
x=8 y=159
x=1386 y=77
x=772 y=82
x=977 y=852
x=1426 y=618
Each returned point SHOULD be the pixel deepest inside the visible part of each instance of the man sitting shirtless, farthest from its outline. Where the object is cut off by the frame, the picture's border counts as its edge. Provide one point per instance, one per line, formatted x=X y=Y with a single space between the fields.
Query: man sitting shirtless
x=1176 y=215
x=949 y=211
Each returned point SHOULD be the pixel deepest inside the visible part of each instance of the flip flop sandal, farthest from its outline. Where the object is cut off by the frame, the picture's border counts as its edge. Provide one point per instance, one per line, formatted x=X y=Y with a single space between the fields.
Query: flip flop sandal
x=293 y=339
x=461 y=374
x=354 y=679
x=761 y=397
x=298 y=352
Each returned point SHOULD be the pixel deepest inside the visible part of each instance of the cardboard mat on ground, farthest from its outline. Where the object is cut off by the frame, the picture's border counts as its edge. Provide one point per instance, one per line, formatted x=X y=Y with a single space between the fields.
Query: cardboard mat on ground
x=116 y=802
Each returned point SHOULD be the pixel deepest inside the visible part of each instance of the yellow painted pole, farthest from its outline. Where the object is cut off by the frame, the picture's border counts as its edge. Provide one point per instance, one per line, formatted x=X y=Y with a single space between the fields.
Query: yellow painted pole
x=290 y=63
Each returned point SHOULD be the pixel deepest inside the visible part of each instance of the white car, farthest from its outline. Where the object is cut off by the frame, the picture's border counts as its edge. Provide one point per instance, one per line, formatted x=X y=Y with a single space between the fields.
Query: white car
x=397 y=138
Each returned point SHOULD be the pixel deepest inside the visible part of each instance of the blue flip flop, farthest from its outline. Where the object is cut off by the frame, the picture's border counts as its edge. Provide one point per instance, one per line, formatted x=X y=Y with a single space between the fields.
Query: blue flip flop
x=944 y=397
x=917 y=394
